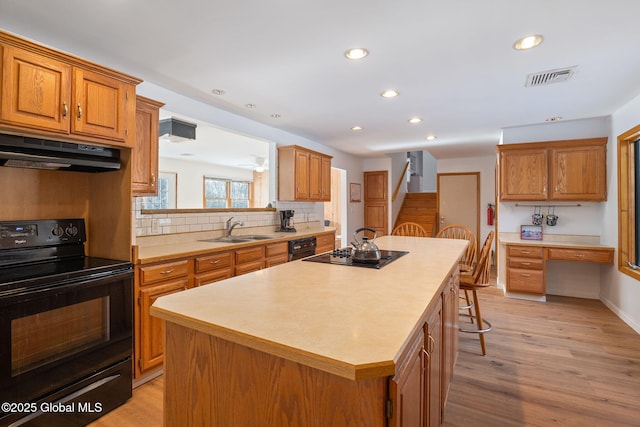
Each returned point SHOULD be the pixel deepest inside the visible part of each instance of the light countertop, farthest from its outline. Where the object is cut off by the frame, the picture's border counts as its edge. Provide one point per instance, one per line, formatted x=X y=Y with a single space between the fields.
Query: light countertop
x=350 y=321
x=556 y=240
x=191 y=244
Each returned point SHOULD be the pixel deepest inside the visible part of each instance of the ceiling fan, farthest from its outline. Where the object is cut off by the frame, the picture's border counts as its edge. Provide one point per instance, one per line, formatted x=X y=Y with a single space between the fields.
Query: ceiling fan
x=259 y=165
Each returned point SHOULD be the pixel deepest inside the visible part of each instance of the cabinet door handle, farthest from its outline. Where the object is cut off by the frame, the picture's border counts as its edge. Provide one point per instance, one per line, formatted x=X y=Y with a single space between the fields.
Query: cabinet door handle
x=425 y=356
x=79 y=111
x=65 y=109
x=153 y=179
x=167 y=271
x=432 y=344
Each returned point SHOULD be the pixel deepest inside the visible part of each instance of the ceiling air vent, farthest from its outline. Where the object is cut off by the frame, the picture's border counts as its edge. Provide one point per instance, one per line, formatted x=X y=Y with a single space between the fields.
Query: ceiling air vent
x=552 y=76
x=177 y=130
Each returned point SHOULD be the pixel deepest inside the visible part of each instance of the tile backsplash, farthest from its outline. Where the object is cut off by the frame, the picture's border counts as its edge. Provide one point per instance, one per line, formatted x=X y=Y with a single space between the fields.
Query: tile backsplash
x=173 y=223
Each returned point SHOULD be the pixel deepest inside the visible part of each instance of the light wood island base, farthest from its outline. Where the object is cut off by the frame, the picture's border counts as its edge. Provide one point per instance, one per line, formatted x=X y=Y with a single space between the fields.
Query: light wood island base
x=211 y=381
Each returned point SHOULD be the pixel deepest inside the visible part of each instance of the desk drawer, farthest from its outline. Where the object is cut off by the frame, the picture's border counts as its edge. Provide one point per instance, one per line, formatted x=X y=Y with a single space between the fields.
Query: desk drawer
x=526 y=263
x=581 y=255
x=525 y=281
x=525 y=251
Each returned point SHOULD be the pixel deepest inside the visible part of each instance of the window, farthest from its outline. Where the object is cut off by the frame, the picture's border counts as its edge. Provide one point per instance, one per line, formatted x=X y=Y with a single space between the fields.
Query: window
x=225 y=193
x=629 y=202
x=166 y=198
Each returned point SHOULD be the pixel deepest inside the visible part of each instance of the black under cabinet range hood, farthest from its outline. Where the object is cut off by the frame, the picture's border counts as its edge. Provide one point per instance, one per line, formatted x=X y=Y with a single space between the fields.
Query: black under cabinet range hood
x=36 y=153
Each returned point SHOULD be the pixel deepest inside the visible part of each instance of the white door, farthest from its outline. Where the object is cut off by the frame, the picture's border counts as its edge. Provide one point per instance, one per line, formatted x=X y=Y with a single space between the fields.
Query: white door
x=459 y=200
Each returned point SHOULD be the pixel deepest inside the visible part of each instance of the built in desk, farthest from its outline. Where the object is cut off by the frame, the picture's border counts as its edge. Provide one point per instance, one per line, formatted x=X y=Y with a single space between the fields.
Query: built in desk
x=523 y=264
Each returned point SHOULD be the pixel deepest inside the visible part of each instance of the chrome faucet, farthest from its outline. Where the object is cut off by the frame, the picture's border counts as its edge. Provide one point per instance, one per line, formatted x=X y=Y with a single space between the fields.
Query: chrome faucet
x=231 y=226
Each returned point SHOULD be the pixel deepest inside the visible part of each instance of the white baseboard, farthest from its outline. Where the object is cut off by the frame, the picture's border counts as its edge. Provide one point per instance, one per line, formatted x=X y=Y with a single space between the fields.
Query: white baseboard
x=621 y=314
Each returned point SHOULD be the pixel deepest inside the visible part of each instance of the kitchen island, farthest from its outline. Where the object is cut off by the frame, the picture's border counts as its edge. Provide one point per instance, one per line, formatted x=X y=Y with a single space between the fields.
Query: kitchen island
x=306 y=344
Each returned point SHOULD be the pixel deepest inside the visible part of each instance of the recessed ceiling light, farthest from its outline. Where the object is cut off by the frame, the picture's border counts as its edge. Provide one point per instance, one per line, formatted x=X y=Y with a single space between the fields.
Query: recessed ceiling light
x=390 y=93
x=250 y=105
x=528 y=42
x=217 y=92
x=414 y=120
x=431 y=137
x=357 y=128
x=356 y=53
x=553 y=119
x=275 y=116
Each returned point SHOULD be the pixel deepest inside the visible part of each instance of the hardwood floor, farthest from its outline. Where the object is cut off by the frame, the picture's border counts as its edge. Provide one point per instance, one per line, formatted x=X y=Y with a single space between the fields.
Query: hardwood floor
x=566 y=362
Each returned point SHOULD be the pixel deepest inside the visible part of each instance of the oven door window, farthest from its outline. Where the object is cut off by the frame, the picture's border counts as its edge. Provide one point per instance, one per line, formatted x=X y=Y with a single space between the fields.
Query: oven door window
x=52 y=335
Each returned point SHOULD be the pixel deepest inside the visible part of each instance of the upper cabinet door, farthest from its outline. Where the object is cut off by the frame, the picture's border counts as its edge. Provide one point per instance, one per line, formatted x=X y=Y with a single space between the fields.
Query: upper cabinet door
x=579 y=173
x=302 y=175
x=523 y=174
x=36 y=91
x=103 y=107
x=144 y=170
x=315 y=177
x=326 y=179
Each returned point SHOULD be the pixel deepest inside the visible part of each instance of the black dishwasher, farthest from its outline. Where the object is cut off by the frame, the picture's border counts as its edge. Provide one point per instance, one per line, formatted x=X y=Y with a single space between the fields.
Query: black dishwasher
x=302 y=248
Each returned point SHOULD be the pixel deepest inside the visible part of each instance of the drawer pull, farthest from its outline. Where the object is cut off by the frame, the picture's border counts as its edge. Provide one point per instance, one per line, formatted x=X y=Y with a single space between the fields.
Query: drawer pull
x=579 y=255
x=525 y=275
x=215 y=262
x=167 y=271
x=526 y=252
x=526 y=263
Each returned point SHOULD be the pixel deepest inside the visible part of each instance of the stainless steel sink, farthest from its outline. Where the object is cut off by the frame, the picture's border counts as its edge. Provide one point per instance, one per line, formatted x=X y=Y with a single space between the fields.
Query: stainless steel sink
x=239 y=239
x=232 y=239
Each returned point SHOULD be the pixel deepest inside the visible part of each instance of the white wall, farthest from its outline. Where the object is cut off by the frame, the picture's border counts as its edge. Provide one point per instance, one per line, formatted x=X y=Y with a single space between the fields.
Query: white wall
x=398 y=162
x=429 y=173
x=618 y=291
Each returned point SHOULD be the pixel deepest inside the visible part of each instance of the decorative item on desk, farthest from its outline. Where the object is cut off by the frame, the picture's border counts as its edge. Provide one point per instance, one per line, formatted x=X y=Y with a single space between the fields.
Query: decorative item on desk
x=552 y=218
x=537 y=216
x=531 y=232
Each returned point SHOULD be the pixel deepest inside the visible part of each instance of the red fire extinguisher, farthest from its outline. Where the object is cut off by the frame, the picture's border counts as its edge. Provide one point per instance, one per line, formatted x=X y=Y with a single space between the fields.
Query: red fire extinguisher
x=490 y=214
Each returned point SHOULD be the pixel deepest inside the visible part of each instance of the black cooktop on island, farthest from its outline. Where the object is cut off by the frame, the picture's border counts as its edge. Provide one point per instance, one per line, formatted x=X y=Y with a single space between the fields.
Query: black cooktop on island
x=343 y=257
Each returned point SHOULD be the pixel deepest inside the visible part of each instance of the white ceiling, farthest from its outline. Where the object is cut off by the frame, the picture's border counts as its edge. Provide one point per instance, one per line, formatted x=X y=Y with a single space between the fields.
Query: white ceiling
x=452 y=61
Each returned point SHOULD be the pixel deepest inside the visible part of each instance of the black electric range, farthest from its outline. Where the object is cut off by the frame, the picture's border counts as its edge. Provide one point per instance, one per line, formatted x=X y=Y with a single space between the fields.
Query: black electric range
x=343 y=257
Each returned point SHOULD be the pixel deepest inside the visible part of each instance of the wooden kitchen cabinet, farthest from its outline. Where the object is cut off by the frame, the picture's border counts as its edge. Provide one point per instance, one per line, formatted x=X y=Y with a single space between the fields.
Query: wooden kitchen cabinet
x=433 y=365
x=303 y=175
x=525 y=269
x=408 y=387
x=153 y=282
x=212 y=268
x=523 y=174
x=571 y=170
x=51 y=93
x=415 y=392
x=325 y=242
x=249 y=259
x=579 y=173
x=144 y=155
x=276 y=253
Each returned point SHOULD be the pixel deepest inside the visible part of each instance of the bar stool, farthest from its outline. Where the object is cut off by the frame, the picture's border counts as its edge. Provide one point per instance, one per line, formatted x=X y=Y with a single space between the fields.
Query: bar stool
x=474 y=280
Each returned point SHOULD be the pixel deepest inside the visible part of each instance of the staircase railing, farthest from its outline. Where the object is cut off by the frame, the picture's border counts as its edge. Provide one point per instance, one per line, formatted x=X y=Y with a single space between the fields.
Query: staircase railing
x=404 y=172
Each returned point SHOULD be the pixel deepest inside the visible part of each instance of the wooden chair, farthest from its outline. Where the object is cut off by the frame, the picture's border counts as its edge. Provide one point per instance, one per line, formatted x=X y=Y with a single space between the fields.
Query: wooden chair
x=457 y=231
x=409 y=229
x=474 y=280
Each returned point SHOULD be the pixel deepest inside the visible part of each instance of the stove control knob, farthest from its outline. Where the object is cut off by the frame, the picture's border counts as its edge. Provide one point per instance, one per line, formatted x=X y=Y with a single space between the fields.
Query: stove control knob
x=72 y=230
x=57 y=231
